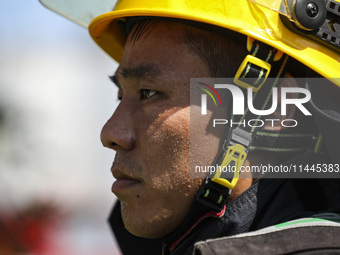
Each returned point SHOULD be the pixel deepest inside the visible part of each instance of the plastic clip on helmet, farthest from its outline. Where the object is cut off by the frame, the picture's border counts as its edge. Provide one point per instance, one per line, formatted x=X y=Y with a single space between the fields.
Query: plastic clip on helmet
x=306 y=30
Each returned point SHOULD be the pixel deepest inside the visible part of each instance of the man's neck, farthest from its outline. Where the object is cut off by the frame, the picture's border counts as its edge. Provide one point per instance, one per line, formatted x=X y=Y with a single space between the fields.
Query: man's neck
x=246 y=178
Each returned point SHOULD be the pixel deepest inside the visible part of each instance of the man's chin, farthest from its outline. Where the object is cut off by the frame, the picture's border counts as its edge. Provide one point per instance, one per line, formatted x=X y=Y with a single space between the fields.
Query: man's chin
x=141 y=225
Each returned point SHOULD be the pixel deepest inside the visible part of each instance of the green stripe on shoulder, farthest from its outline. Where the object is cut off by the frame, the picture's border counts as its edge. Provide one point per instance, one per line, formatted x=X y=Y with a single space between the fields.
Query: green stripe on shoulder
x=322 y=217
x=298 y=222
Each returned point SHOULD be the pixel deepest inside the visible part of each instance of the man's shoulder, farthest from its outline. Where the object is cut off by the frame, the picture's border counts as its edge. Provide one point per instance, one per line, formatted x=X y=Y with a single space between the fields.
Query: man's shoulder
x=319 y=234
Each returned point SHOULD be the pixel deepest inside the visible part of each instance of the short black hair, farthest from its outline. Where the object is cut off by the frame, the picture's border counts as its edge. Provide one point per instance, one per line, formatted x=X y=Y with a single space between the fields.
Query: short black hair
x=222 y=54
x=223 y=50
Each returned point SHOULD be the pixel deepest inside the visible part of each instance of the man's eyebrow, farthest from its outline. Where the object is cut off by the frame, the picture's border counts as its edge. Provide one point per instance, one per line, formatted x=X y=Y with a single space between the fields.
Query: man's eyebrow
x=140 y=71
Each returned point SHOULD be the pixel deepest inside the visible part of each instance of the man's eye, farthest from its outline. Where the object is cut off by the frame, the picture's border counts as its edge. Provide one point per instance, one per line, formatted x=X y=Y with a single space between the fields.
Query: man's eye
x=147 y=93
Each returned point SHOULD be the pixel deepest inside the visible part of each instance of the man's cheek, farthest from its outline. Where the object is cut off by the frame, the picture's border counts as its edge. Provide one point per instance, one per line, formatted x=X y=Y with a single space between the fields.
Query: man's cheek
x=172 y=147
x=169 y=135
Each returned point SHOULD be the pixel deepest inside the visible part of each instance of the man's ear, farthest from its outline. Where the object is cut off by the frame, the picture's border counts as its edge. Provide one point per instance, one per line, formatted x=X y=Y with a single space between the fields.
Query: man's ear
x=287 y=81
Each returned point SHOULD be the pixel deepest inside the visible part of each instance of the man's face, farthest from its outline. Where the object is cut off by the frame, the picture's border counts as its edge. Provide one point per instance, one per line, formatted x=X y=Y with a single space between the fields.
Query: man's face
x=150 y=130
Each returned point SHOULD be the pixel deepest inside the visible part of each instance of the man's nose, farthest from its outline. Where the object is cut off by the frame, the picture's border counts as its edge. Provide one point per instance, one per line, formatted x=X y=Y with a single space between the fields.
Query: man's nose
x=118 y=132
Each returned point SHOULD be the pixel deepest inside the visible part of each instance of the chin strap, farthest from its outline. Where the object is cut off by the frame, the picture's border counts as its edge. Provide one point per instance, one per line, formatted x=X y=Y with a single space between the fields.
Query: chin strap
x=216 y=189
x=262 y=63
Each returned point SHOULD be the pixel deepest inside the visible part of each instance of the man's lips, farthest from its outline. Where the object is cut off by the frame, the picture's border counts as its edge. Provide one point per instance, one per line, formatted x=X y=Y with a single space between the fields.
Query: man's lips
x=123 y=181
x=123 y=184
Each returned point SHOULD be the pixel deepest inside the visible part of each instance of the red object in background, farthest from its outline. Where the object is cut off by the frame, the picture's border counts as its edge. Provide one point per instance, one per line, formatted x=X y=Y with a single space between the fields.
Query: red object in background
x=28 y=231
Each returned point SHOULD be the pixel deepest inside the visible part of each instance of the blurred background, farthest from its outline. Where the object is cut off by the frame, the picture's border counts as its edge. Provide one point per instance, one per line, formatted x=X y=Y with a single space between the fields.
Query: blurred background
x=55 y=95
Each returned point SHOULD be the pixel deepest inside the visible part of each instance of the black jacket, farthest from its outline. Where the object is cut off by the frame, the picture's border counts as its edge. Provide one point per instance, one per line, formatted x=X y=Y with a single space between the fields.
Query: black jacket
x=266 y=203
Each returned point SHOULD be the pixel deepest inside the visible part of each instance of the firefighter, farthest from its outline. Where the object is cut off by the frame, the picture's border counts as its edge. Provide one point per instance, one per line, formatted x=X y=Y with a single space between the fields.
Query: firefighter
x=269 y=49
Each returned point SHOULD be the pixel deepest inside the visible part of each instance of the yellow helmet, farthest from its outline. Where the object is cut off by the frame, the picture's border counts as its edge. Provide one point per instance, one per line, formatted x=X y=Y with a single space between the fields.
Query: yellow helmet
x=247 y=17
